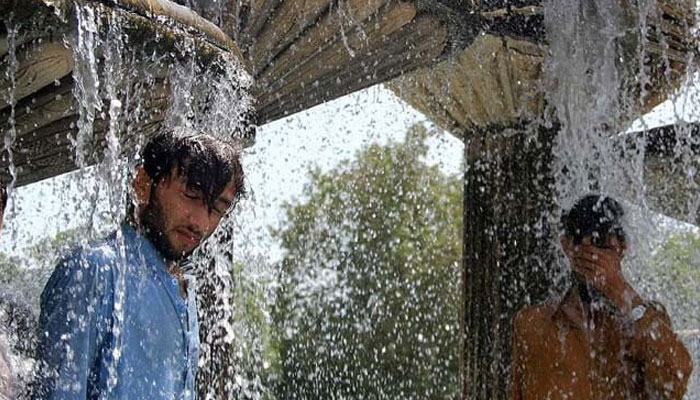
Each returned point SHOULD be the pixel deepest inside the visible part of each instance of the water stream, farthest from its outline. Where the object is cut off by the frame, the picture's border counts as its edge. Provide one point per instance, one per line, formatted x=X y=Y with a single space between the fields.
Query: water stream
x=125 y=92
x=599 y=81
x=597 y=84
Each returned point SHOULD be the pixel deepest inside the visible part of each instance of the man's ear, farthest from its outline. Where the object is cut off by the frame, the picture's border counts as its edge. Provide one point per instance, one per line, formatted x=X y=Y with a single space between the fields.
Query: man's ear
x=142 y=185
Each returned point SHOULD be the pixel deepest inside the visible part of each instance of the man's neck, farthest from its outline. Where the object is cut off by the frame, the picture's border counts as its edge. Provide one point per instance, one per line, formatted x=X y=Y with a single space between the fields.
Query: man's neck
x=574 y=307
x=175 y=270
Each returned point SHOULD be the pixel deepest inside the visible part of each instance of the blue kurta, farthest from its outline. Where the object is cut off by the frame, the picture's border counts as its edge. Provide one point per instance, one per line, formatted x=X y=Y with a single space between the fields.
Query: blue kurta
x=113 y=325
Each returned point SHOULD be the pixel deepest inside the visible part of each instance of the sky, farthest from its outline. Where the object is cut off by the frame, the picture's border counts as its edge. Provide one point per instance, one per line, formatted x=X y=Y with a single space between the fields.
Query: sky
x=682 y=106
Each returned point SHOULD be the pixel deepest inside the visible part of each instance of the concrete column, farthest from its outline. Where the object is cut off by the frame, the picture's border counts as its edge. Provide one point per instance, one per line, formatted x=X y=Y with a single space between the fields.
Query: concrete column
x=507 y=246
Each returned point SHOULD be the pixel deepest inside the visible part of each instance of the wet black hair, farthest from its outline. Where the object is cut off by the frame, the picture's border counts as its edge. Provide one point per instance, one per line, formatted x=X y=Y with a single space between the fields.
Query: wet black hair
x=596 y=216
x=207 y=163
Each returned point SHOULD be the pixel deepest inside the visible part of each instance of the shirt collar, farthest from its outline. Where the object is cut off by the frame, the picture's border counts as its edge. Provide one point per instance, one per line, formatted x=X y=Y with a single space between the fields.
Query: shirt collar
x=140 y=249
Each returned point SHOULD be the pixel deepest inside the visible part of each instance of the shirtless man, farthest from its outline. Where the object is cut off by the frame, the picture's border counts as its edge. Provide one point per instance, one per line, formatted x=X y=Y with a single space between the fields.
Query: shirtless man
x=601 y=340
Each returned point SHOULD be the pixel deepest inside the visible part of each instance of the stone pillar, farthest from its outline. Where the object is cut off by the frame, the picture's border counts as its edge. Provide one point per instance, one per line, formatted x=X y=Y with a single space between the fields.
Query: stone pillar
x=507 y=246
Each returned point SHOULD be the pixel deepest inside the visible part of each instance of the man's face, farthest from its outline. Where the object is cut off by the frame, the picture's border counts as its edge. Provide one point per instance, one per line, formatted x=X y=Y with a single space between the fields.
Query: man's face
x=177 y=219
x=612 y=245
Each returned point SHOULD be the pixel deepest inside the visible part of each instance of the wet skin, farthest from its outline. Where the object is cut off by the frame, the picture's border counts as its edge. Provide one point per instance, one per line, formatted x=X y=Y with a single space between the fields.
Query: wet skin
x=602 y=267
x=184 y=219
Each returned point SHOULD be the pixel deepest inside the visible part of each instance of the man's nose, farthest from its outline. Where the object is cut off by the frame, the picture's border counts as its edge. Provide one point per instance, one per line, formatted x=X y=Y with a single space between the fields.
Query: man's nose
x=199 y=218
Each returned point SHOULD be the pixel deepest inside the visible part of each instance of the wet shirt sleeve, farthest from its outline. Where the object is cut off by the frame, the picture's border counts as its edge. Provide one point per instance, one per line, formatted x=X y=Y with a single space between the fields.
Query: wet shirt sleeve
x=73 y=324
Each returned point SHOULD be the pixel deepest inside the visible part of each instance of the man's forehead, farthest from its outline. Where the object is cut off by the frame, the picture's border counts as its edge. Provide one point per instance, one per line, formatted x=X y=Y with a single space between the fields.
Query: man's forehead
x=227 y=195
x=182 y=178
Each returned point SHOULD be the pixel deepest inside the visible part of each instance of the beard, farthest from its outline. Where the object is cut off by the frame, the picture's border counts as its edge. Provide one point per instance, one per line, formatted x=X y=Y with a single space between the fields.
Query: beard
x=153 y=223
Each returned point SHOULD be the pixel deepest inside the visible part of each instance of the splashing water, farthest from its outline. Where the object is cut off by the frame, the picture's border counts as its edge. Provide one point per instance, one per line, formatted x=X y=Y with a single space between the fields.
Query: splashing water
x=11 y=134
x=86 y=77
x=124 y=92
x=599 y=80
x=586 y=91
x=11 y=72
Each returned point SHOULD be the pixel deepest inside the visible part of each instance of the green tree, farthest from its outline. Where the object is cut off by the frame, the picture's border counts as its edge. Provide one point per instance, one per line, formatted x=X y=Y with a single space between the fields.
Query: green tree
x=369 y=297
x=675 y=277
x=21 y=281
x=255 y=354
x=9 y=269
x=48 y=250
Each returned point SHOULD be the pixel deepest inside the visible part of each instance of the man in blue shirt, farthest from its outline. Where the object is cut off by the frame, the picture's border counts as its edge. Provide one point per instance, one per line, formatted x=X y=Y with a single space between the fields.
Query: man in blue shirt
x=118 y=317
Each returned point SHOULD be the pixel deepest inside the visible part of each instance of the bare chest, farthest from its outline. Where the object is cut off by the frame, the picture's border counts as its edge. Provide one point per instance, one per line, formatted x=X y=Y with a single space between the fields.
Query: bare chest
x=567 y=363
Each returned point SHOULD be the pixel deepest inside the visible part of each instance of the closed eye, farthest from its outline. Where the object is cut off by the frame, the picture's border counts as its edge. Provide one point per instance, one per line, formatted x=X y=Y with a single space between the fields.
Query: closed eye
x=192 y=194
x=221 y=207
x=220 y=210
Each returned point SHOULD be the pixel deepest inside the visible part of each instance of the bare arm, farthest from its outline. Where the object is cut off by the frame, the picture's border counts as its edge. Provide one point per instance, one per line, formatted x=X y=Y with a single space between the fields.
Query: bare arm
x=666 y=363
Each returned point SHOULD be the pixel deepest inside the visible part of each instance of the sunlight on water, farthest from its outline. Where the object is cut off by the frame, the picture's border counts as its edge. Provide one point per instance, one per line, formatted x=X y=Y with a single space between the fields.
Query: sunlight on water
x=603 y=74
x=341 y=274
x=125 y=92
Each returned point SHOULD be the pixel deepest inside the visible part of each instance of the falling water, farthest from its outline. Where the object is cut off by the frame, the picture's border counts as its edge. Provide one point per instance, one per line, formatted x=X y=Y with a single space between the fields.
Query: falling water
x=123 y=93
x=11 y=134
x=599 y=80
x=214 y=100
x=10 y=73
x=86 y=77
x=586 y=90
x=10 y=340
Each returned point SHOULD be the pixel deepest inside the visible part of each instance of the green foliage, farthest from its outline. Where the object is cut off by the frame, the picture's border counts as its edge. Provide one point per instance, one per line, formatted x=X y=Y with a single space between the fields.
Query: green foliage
x=49 y=249
x=676 y=275
x=368 y=304
x=24 y=277
x=9 y=269
x=256 y=356
x=21 y=281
